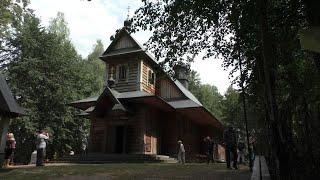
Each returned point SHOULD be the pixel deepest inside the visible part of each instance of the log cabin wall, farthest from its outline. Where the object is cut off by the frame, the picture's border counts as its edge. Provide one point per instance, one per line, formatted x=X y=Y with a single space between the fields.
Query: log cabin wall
x=169 y=132
x=145 y=84
x=131 y=82
x=176 y=127
x=135 y=132
x=152 y=140
x=97 y=134
x=103 y=132
x=124 y=42
x=167 y=90
x=190 y=134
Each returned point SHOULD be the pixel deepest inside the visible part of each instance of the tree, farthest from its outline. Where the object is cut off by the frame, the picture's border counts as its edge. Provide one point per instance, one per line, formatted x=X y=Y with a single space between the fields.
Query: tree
x=207 y=94
x=232 y=108
x=59 y=26
x=11 y=14
x=95 y=68
x=264 y=36
x=46 y=74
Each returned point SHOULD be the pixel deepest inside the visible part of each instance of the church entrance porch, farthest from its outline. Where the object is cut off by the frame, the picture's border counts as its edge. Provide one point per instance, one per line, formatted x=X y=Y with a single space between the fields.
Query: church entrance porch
x=115 y=139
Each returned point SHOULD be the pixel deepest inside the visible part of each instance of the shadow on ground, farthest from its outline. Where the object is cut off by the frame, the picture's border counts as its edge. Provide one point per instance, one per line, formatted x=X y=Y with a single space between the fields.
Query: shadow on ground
x=143 y=171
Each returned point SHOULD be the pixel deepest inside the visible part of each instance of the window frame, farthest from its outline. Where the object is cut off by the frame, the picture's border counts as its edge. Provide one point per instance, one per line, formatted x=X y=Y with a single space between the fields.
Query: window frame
x=119 y=75
x=153 y=77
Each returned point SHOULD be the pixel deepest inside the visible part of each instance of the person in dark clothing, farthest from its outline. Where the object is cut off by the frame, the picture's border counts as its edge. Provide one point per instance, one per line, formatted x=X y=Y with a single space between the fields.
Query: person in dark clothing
x=209 y=149
x=252 y=142
x=241 y=153
x=230 y=141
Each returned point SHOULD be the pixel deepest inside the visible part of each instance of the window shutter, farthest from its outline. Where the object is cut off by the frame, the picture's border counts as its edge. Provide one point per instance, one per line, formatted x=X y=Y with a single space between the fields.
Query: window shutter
x=149 y=76
x=117 y=74
x=127 y=72
x=107 y=74
x=154 y=78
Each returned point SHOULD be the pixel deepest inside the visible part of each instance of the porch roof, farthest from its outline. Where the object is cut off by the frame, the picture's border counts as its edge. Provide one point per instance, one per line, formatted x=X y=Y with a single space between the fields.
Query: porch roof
x=183 y=104
x=8 y=104
x=202 y=116
x=84 y=104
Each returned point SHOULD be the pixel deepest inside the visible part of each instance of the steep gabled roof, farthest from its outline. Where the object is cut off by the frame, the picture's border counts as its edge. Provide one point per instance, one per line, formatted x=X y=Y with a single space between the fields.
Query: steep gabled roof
x=133 y=46
x=7 y=102
x=106 y=102
x=122 y=34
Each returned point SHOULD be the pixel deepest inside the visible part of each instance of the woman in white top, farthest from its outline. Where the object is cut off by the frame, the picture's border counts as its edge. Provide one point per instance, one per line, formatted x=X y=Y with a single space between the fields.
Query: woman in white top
x=41 y=147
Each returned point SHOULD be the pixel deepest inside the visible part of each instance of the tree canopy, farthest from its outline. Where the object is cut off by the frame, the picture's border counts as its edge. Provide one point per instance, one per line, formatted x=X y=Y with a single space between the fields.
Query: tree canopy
x=207 y=94
x=264 y=37
x=46 y=73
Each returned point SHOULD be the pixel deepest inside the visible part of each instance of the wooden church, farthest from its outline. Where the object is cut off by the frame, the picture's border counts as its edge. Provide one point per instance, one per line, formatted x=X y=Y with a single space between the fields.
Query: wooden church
x=142 y=110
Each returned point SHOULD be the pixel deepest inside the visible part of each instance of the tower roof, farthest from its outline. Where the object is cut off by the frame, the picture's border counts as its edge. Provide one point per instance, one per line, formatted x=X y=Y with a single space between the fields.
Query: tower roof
x=125 y=44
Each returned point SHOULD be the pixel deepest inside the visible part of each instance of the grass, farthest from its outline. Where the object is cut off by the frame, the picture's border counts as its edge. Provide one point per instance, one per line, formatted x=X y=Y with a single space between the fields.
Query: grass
x=127 y=171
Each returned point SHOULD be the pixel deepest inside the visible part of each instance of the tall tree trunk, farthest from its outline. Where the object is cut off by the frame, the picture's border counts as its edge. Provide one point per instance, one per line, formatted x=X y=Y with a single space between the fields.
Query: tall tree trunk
x=269 y=71
x=273 y=158
x=245 y=111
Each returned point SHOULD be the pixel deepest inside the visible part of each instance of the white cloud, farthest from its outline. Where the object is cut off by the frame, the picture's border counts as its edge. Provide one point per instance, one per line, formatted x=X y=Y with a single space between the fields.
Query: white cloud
x=88 y=21
x=99 y=19
x=211 y=72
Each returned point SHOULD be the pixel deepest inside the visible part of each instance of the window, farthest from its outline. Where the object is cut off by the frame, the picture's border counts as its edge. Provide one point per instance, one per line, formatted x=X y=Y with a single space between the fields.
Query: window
x=151 y=77
x=123 y=72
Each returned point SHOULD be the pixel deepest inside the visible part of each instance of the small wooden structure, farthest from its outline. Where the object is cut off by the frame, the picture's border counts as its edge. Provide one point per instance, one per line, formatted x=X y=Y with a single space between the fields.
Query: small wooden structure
x=260 y=169
x=8 y=109
x=142 y=110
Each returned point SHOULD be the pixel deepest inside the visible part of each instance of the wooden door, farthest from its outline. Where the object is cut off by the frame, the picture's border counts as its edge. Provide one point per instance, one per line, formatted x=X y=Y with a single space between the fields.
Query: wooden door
x=151 y=135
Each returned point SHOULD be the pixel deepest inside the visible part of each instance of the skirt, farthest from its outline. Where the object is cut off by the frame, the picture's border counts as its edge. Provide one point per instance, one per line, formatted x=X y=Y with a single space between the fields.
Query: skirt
x=8 y=153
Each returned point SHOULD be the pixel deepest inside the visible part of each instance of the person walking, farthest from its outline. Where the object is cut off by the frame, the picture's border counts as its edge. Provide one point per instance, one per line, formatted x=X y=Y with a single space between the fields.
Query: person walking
x=230 y=141
x=9 y=149
x=209 y=149
x=241 y=152
x=181 y=153
x=252 y=142
x=41 y=147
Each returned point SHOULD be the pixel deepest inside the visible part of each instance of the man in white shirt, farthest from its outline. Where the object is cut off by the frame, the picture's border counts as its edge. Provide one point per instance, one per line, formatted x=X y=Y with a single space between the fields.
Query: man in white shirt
x=41 y=147
x=181 y=153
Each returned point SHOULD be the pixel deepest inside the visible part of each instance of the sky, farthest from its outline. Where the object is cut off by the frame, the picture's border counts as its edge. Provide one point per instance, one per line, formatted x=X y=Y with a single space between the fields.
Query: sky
x=99 y=19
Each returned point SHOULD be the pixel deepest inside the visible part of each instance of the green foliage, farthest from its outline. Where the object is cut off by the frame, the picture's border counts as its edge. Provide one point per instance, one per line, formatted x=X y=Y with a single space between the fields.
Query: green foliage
x=46 y=75
x=95 y=69
x=208 y=95
x=281 y=80
x=59 y=27
x=232 y=108
x=11 y=15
